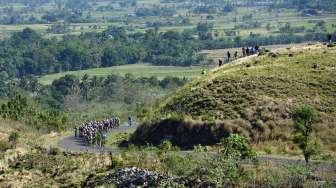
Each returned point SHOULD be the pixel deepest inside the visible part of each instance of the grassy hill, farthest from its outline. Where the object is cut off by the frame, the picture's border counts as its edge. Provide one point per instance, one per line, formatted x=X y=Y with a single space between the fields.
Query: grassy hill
x=252 y=96
x=144 y=70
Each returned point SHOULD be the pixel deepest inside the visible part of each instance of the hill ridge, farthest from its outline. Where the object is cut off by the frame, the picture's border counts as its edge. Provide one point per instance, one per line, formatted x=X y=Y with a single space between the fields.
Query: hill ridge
x=251 y=96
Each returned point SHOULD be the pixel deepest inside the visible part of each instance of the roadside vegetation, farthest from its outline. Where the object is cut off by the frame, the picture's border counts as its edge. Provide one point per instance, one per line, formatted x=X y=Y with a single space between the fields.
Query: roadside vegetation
x=198 y=169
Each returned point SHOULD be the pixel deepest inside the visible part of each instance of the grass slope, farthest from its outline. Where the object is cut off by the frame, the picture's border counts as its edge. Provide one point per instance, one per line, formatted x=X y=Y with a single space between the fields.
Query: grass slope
x=138 y=70
x=252 y=96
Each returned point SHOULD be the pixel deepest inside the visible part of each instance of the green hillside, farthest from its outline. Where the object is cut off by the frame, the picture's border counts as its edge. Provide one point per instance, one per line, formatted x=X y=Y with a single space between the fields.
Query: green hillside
x=252 y=96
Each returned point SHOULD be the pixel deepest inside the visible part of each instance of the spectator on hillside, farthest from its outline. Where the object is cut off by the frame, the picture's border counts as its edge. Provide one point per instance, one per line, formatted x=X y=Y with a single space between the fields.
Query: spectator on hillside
x=220 y=62
x=247 y=51
x=251 y=49
x=244 y=52
x=130 y=121
x=257 y=48
x=76 y=132
x=228 y=55
x=329 y=36
x=235 y=54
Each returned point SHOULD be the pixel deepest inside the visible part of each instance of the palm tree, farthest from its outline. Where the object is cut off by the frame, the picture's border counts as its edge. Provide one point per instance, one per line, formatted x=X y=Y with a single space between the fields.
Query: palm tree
x=84 y=86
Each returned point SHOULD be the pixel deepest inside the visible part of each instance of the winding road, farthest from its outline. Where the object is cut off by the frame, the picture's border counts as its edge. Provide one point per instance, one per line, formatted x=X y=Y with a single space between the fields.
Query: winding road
x=77 y=145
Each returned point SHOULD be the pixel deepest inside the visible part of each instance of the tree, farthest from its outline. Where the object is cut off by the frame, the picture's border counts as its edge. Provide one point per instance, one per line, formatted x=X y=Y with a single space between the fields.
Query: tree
x=304 y=118
x=66 y=85
x=85 y=86
x=204 y=27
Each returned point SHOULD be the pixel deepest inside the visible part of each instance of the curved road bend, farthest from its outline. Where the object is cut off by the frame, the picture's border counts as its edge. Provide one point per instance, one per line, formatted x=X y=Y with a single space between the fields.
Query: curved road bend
x=77 y=145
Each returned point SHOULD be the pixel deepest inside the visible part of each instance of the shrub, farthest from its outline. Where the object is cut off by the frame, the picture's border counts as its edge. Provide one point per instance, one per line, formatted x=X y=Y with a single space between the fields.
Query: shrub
x=132 y=147
x=166 y=146
x=297 y=175
x=235 y=146
x=115 y=161
x=4 y=146
x=54 y=151
x=13 y=138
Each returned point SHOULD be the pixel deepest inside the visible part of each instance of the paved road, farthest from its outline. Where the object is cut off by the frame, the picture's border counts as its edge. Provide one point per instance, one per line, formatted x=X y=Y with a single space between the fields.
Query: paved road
x=77 y=145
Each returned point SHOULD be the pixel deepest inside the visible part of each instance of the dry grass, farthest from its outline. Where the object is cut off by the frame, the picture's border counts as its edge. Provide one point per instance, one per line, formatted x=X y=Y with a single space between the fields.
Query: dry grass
x=256 y=93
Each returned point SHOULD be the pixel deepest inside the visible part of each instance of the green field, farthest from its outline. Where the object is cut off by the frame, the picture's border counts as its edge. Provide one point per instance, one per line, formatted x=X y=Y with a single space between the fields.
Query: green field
x=137 y=70
x=222 y=22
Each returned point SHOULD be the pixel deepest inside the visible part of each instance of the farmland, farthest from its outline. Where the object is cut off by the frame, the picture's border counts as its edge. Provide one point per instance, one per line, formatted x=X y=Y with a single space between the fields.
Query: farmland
x=99 y=15
x=143 y=70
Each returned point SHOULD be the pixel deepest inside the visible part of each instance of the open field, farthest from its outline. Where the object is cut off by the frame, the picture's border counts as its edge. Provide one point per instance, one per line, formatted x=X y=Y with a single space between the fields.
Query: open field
x=138 y=70
x=106 y=13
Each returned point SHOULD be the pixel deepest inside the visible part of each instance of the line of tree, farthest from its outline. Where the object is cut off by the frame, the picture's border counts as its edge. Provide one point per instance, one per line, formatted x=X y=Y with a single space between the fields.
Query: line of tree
x=28 y=53
x=127 y=89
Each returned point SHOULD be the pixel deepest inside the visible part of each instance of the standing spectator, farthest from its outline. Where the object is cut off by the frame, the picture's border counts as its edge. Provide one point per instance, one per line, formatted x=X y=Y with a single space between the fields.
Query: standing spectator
x=228 y=55
x=220 y=62
x=235 y=54
x=130 y=121
x=256 y=48
x=329 y=36
x=76 y=132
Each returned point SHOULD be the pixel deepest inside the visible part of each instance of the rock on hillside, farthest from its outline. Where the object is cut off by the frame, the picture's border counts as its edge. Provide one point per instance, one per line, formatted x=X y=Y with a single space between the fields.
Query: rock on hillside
x=141 y=178
x=252 y=96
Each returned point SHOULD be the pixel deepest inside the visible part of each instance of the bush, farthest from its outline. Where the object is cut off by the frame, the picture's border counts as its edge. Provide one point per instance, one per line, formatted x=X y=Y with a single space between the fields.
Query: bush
x=297 y=175
x=54 y=151
x=166 y=146
x=14 y=138
x=4 y=146
x=115 y=161
x=235 y=146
